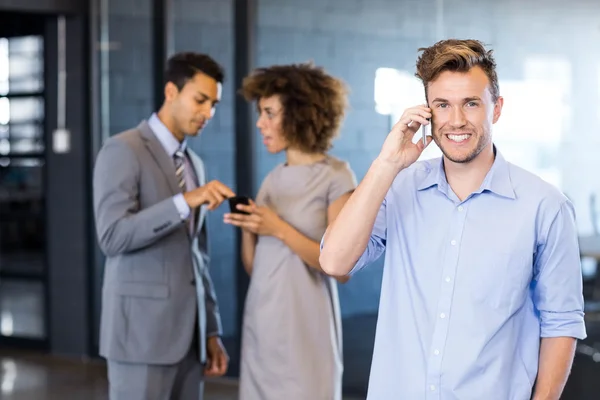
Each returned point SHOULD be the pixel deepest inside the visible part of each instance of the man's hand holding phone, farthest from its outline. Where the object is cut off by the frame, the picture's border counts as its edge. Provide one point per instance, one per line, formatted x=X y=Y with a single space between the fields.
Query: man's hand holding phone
x=212 y=194
x=398 y=149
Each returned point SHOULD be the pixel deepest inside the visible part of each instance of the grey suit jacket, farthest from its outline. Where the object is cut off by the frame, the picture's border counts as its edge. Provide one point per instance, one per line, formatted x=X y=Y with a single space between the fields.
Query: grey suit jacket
x=156 y=279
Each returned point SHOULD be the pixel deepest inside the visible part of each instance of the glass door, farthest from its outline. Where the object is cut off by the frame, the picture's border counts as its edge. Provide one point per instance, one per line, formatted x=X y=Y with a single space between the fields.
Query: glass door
x=23 y=274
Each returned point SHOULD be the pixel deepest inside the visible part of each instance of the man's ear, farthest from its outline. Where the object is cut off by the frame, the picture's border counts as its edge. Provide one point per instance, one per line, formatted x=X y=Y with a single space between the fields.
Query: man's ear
x=171 y=91
x=498 y=109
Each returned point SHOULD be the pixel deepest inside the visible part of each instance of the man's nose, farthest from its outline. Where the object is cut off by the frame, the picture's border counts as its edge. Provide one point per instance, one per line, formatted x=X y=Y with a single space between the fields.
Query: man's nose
x=457 y=118
x=207 y=111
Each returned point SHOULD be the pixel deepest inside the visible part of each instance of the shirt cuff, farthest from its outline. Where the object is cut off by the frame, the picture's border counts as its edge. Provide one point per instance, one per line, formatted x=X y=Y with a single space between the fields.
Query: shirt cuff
x=557 y=324
x=182 y=206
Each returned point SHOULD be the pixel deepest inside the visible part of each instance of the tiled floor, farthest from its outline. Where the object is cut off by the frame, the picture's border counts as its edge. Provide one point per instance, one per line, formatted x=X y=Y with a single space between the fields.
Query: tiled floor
x=30 y=376
x=33 y=377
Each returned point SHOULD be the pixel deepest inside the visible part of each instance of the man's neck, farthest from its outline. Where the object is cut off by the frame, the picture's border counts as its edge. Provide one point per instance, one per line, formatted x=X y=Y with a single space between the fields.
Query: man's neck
x=165 y=118
x=466 y=178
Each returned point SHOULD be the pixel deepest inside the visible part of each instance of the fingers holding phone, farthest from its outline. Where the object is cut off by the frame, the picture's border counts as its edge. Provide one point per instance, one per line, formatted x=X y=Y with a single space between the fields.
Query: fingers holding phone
x=398 y=148
x=260 y=220
x=243 y=214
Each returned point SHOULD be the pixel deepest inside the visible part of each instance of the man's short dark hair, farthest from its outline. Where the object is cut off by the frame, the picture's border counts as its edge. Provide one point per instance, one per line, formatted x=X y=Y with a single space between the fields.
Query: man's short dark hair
x=182 y=67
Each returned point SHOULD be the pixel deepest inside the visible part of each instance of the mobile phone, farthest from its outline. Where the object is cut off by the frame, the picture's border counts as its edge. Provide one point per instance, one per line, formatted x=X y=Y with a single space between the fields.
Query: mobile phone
x=424 y=131
x=234 y=201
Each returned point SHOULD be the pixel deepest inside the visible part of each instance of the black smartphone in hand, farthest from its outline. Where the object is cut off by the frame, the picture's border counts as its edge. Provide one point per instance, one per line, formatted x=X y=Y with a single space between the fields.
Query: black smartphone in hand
x=234 y=201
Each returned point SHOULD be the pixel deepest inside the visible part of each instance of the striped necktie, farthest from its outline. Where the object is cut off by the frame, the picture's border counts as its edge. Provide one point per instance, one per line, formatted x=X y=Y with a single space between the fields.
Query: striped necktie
x=180 y=169
x=179 y=157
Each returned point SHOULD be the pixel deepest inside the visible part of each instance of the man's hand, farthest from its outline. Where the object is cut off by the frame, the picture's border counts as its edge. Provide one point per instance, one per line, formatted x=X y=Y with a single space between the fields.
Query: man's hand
x=261 y=221
x=213 y=194
x=398 y=150
x=217 y=358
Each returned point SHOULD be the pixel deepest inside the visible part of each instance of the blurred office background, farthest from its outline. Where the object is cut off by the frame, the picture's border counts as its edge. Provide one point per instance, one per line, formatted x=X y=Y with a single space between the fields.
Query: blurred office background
x=74 y=72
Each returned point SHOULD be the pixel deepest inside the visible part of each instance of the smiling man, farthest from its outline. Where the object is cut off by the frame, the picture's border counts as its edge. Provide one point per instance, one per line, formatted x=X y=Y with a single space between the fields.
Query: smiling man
x=160 y=323
x=482 y=290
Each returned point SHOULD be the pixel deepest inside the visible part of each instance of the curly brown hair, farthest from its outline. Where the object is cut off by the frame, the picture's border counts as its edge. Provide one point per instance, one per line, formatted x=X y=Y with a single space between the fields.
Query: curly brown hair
x=314 y=102
x=458 y=56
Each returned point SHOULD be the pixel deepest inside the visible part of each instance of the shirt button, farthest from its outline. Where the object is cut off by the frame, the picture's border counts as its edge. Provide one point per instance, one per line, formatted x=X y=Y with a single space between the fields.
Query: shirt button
x=432 y=387
x=447 y=279
x=453 y=243
x=436 y=352
x=442 y=315
x=460 y=208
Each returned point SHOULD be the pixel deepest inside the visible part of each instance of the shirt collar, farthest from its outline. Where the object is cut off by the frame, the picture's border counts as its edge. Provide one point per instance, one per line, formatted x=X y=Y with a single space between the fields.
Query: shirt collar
x=165 y=137
x=434 y=176
x=496 y=181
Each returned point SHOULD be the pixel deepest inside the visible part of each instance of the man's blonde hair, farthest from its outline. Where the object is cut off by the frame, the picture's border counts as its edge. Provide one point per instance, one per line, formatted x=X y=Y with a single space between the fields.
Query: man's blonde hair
x=457 y=56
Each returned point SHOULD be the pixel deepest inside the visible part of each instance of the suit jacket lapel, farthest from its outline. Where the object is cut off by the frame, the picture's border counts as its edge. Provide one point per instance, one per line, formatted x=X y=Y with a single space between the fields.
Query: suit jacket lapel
x=167 y=165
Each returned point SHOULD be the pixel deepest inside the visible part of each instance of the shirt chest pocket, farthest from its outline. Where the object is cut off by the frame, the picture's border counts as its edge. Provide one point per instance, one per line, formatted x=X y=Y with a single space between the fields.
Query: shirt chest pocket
x=501 y=282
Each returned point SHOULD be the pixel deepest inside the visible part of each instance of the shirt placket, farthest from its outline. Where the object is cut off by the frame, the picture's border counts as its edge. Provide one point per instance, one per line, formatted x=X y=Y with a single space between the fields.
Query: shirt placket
x=443 y=314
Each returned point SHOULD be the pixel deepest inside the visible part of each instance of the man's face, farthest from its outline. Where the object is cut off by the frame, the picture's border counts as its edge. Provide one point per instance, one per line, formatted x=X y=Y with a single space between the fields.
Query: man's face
x=194 y=105
x=463 y=113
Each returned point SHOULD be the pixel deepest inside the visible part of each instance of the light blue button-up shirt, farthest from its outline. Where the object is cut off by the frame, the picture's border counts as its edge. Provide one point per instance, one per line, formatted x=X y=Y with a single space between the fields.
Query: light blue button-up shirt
x=469 y=288
x=171 y=145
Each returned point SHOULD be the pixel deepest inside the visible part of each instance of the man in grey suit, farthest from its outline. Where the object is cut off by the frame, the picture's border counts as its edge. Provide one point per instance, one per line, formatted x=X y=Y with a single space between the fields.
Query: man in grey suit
x=160 y=324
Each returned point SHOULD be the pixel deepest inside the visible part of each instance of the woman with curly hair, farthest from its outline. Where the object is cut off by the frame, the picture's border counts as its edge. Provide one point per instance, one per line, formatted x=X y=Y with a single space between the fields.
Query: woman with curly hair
x=292 y=339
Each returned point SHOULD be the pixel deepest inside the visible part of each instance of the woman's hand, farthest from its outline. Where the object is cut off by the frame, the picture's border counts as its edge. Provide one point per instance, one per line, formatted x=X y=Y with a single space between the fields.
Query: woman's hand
x=261 y=221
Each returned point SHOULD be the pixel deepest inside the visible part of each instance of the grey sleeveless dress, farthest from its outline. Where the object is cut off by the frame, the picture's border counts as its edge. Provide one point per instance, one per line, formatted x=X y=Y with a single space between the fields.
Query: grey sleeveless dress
x=292 y=339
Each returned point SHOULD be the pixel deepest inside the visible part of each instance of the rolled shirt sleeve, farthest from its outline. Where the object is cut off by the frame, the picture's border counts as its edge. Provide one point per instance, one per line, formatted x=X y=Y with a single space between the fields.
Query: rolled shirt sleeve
x=558 y=290
x=377 y=242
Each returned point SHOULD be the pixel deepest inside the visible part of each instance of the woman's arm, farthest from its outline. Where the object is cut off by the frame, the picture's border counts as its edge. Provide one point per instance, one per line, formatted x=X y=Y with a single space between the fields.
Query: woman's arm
x=307 y=249
x=248 y=249
x=264 y=221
